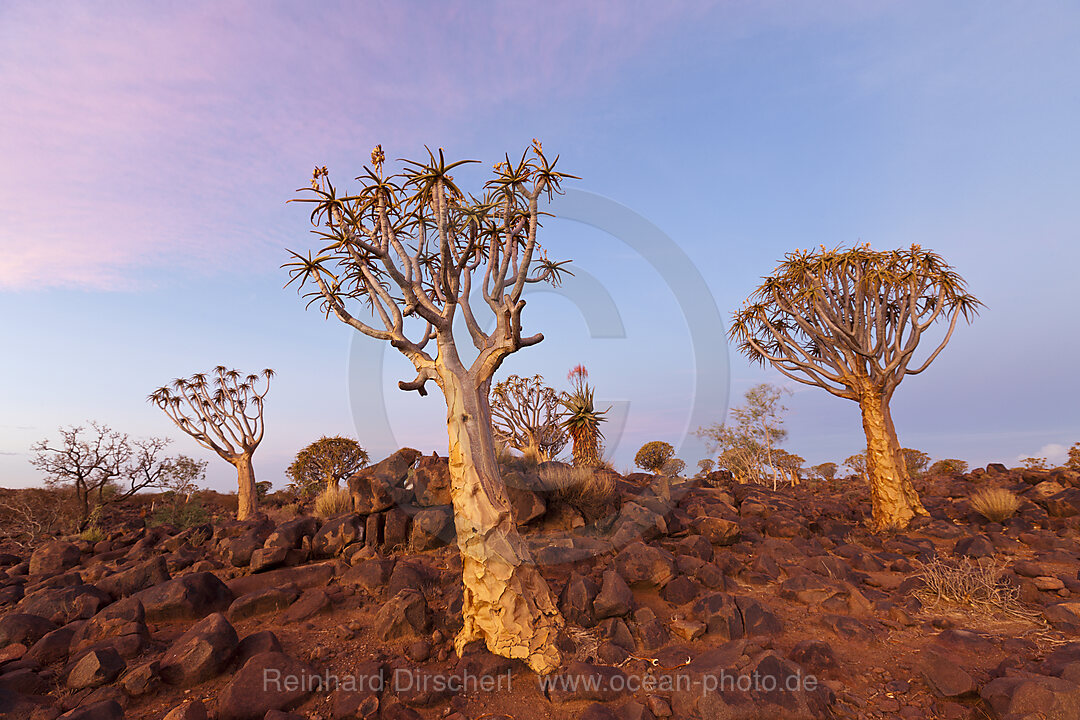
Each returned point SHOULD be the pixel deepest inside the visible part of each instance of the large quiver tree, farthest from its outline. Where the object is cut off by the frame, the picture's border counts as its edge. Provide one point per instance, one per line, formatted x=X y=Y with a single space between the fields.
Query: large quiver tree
x=849 y=321
x=405 y=249
x=223 y=412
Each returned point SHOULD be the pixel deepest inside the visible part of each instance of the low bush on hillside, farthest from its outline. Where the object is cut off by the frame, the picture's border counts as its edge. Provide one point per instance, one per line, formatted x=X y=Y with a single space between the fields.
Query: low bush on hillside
x=996 y=504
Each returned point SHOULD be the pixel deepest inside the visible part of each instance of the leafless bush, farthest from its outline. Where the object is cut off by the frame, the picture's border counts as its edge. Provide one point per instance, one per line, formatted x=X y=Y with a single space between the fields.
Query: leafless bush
x=972 y=584
x=29 y=516
x=996 y=504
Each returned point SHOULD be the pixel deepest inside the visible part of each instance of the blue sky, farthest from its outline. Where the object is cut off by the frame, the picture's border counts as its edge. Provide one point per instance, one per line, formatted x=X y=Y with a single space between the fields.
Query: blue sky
x=149 y=150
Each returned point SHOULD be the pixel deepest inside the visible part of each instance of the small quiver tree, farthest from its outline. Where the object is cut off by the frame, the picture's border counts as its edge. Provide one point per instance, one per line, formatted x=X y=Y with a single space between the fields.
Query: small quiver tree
x=849 y=321
x=652 y=456
x=406 y=249
x=324 y=464
x=527 y=416
x=223 y=412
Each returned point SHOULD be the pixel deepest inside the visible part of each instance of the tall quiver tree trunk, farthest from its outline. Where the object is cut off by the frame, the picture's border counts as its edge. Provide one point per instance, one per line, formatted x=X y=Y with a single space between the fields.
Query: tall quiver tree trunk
x=507 y=603
x=893 y=497
x=417 y=231
x=248 y=504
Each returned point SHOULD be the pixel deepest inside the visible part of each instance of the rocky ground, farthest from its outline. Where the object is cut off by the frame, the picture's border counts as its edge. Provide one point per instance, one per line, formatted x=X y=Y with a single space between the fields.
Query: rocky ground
x=684 y=599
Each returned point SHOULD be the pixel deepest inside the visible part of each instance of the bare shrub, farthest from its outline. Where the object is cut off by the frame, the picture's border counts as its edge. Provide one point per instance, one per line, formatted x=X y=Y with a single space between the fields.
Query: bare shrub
x=29 y=516
x=996 y=504
x=333 y=501
x=970 y=584
x=586 y=489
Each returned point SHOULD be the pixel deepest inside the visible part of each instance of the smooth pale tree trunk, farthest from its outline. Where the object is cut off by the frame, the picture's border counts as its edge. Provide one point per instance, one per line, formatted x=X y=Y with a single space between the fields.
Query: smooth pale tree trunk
x=507 y=603
x=894 y=499
x=248 y=499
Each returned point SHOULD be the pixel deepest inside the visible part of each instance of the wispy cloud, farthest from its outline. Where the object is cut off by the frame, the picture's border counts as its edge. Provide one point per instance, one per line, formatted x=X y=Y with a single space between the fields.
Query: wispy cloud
x=170 y=135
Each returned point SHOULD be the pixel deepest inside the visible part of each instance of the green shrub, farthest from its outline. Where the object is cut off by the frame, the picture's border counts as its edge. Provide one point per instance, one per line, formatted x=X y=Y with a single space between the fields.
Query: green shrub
x=180 y=515
x=654 y=455
x=948 y=465
x=92 y=534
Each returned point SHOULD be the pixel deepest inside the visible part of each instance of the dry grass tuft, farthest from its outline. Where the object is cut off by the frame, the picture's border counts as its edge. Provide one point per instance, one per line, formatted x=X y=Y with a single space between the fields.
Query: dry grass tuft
x=996 y=504
x=972 y=585
x=590 y=491
x=333 y=501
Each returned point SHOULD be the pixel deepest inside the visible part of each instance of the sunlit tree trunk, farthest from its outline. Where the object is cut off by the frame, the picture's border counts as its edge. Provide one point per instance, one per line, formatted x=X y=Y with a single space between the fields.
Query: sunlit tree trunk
x=507 y=603
x=248 y=499
x=894 y=499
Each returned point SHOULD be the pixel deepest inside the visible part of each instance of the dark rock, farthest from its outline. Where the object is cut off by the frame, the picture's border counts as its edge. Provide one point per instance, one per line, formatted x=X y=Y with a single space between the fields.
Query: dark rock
x=430 y=479
x=262 y=601
x=63 y=605
x=1045 y=698
x=644 y=565
x=312 y=602
x=371 y=574
x=757 y=619
x=191 y=597
x=395 y=528
x=94 y=669
x=615 y=597
x=142 y=680
x=54 y=646
x=404 y=616
x=431 y=528
x=721 y=615
x=237 y=551
x=1064 y=616
x=336 y=534
x=944 y=675
x=54 y=556
x=200 y=653
x=267 y=681
x=814 y=655
x=405 y=576
x=593 y=682
x=718 y=531
x=104 y=710
x=305 y=576
x=379 y=487
x=130 y=581
x=122 y=624
x=637 y=522
x=24 y=628
x=680 y=590
x=975 y=546
x=576 y=600
x=189 y=710
x=269 y=558
x=289 y=534
x=526 y=504
x=260 y=642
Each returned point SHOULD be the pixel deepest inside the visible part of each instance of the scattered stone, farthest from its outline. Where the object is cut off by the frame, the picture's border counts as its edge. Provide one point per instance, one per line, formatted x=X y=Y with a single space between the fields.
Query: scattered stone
x=54 y=556
x=615 y=597
x=404 y=616
x=200 y=653
x=644 y=565
x=267 y=681
x=191 y=597
x=944 y=675
x=262 y=601
x=94 y=669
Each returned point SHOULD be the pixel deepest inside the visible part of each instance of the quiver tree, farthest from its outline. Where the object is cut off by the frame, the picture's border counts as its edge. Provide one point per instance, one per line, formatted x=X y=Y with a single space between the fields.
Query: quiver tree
x=223 y=412
x=527 y=416
x=324 y=463
x=582 y=419
x=849 y=321
x=654 y=455
x=405 y=250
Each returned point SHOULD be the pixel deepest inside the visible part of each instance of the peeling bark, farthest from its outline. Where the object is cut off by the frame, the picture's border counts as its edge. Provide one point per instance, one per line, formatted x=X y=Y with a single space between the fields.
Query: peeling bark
x=507 y=603
x=895 y=501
